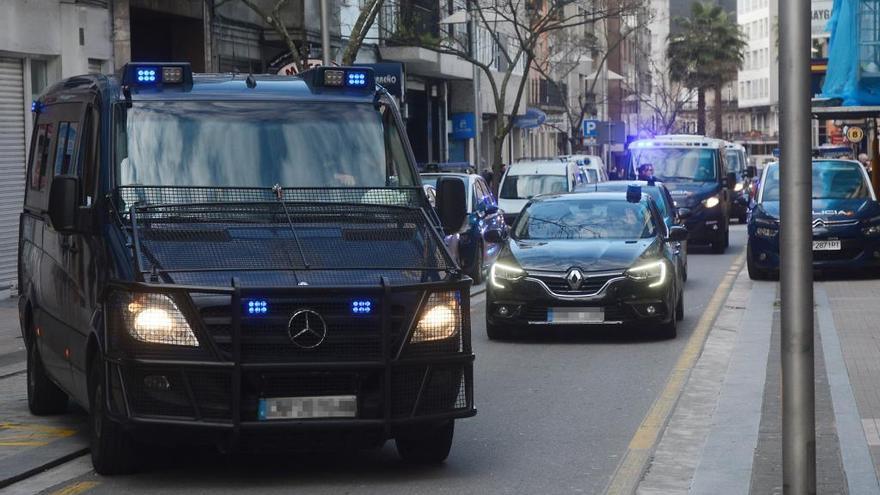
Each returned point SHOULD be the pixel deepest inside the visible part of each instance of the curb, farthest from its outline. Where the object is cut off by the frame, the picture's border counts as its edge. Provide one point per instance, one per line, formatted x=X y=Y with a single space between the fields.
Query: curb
x=33 y=461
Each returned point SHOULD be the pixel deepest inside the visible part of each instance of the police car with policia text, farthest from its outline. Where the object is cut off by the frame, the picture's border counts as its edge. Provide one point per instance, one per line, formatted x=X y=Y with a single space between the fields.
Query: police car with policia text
x=249 y=262
x=846 y=220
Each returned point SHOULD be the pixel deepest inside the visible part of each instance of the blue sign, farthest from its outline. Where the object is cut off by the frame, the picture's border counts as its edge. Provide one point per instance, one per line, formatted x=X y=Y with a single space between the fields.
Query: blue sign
x=591 y=128
x=390 y=76
x=464 y=126
x=533 y=118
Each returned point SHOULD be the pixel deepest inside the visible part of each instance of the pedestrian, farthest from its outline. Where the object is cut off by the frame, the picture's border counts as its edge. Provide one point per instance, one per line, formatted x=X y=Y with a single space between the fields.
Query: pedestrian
x=646 y=171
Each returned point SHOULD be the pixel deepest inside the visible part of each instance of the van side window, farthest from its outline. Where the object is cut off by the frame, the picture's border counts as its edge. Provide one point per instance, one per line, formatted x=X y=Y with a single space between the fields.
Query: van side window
x=42 y=139
x=65 y=159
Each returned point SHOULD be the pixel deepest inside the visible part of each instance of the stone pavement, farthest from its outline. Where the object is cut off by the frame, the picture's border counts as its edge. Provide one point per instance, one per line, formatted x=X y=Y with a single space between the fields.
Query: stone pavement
x=725 y=434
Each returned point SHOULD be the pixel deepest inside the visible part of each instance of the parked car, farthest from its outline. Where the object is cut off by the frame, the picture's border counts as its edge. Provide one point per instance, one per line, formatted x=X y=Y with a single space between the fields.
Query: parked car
x=738 y=167
x=524 y=180
x=583 y=259
x=475 y=253
x=846 y=220
x=591 y=165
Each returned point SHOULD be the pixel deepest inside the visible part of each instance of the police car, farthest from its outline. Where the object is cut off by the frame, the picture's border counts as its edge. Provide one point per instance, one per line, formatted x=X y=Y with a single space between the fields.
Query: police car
x=693 y=169
x=846 y=220
x=248 y=261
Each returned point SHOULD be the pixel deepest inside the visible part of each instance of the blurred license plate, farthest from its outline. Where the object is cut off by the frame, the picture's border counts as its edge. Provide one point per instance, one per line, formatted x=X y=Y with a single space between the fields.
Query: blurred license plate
x=575 y=315
x=324 y=406
x=826 y=245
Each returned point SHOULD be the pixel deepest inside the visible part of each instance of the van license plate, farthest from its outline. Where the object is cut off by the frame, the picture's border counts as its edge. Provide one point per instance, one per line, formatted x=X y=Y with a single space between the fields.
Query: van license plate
x=826 y=245
x=323 y=406
x=569 y=316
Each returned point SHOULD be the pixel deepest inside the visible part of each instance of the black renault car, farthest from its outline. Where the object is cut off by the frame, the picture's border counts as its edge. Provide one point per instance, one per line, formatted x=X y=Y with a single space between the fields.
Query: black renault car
x=249 y=262
x=586 y=259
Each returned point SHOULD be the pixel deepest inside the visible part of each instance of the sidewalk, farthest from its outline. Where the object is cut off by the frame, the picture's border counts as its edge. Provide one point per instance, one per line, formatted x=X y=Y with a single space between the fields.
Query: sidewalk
x=725 y=433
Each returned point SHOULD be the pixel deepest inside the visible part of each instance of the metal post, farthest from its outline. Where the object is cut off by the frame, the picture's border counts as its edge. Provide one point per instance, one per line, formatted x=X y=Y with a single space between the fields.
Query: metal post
x=325 y=33
x=476 y=72
x=796 y=255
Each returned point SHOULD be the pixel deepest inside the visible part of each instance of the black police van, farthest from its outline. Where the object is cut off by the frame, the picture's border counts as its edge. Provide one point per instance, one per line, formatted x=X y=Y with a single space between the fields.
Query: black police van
x=246 y=261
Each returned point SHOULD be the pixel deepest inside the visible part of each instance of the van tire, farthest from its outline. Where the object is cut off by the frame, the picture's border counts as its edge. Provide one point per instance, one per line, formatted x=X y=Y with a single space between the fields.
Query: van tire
x=428 y=445
x=44 y=397
x=113 y=449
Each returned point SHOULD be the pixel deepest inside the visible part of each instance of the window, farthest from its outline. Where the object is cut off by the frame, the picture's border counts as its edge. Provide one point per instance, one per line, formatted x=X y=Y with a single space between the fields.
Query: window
x=43 y=138
x=65 y=148
x=39 y=77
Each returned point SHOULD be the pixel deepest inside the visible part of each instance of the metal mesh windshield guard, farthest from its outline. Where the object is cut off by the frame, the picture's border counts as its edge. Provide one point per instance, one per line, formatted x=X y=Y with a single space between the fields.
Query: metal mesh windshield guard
x=215 y=229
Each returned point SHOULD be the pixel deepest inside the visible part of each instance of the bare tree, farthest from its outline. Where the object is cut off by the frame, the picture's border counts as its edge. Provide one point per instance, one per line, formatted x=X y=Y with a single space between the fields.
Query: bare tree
x=273 y=18
x=667 y=101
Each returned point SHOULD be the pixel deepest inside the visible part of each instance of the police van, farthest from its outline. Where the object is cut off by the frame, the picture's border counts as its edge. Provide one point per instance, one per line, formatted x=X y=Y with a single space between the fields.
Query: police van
x=245 y=261
x=694 y=170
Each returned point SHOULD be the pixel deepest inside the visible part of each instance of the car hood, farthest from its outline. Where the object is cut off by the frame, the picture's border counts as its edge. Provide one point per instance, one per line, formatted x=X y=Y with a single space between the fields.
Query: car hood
x=512 y=206
x=689 y=194
x=830 y=209
x=588 y=255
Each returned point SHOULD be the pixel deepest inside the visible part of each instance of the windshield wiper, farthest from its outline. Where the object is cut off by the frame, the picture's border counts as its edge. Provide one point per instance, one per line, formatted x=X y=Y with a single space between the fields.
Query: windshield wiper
x=279 y=194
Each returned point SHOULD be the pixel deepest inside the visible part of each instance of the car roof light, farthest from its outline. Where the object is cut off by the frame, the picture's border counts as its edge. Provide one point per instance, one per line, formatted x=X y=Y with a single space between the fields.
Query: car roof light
x=158 y=75
x=340 y=78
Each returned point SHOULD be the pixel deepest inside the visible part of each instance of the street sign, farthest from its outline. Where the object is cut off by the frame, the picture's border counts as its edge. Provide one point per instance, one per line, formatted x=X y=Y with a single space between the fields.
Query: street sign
x=591 y=128
x=464 y=126
x=855 y=134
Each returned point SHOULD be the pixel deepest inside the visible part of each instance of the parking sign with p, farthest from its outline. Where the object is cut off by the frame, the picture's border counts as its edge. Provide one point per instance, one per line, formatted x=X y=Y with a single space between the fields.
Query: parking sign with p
x=591 y=128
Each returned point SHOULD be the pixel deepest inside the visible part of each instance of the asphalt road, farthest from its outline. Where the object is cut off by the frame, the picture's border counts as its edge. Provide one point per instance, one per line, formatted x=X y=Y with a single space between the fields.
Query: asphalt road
x=556 y=414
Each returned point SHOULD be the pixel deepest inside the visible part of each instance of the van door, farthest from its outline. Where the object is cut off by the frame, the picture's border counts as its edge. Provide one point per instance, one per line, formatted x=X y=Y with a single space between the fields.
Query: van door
x=55 y=280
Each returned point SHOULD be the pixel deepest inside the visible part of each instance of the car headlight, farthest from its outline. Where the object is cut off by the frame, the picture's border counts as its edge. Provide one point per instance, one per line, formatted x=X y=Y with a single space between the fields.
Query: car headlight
x=156 y=319
x=441 y=318
x=654 y=271
x=711 y=202
x=502 y=271
x=871 y=230
x=738 y=187
x=766 y=232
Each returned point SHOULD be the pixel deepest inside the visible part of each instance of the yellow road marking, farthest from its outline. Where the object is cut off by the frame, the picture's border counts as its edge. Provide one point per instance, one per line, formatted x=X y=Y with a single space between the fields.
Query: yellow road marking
x=75 y=488
x=30 y=435
x=629 y=472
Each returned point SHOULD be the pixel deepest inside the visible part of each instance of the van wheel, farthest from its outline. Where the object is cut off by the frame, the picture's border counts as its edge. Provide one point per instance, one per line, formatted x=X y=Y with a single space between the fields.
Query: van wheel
x=476 y=270
x=113 y=449
x=430 y=445
x=44 y=397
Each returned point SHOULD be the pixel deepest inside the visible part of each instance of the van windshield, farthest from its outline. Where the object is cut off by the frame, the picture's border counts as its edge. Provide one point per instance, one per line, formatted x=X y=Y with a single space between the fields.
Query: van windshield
x=677 y=164
x=528 y=186
x=259 y=144
x=735 y=162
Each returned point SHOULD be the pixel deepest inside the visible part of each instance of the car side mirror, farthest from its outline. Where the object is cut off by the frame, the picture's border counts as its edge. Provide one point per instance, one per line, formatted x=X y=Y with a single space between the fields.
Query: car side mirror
x=63 y=199
x=751 y=171
x=451 y=203
x=677 y=234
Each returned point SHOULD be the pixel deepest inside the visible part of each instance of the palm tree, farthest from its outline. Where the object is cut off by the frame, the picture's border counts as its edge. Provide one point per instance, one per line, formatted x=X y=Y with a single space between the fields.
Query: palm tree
x=705 y=54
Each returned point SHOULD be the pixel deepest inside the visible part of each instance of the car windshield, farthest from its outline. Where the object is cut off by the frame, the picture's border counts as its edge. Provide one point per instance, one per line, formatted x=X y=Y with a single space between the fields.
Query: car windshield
x=676 y=164
x=258 y=144
x=585 y=219
x=831 y=180
x=528 y=186
x=734 y=160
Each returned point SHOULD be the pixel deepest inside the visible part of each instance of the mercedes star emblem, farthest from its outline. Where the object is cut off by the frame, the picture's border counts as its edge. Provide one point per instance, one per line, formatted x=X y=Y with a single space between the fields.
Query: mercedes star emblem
x=574 y=278
x=306 y=329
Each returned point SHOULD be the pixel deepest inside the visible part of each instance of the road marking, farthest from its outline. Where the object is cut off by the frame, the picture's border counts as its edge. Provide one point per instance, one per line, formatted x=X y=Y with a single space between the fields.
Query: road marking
x=633 y=463
x=75 y=488
x=30 y=435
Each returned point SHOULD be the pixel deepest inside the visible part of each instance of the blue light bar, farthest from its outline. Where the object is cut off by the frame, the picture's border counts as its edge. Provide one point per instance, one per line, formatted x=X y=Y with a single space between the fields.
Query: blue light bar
x=146 y=75
x=356 y=79
x=361 y=307
x=257 y=307
x=36 y=107
x=158 y=75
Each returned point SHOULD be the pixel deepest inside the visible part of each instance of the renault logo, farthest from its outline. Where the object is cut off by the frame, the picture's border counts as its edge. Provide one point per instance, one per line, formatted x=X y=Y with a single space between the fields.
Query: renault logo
x=306 y=329
x=574 y=278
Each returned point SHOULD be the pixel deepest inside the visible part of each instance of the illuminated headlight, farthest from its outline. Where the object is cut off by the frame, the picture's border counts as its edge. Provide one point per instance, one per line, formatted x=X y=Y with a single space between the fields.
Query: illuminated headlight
x=871 y=230
x=738 y=187
x=654 y=271
x=500 y=272
x=155 y=318
x=765 y=232
x=711 y=202
x=441 y=318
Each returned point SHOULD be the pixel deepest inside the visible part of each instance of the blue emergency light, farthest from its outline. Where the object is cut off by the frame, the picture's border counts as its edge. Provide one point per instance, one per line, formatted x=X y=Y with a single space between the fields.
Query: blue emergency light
x=361 y=307
x=359 y=78
x=257 y=307
x=159 y=75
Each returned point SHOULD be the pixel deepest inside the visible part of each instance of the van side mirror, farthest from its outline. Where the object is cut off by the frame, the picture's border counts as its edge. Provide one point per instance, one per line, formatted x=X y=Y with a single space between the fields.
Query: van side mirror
x=63 y=199
x=451 y=203
x=677 y=234
x=751 y=171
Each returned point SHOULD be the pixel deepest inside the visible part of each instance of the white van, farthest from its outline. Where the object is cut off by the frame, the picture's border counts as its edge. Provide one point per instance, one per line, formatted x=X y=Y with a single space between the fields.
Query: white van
x=524 y=180
x=591 y=165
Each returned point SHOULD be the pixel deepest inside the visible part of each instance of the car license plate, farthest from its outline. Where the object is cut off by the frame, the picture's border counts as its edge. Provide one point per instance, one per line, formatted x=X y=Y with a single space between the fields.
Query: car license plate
x=564 y=316
x=826 y=245
x=323 y=406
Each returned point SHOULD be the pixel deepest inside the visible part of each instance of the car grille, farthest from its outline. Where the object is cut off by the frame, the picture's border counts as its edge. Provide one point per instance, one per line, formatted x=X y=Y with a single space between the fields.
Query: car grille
x=590 y=285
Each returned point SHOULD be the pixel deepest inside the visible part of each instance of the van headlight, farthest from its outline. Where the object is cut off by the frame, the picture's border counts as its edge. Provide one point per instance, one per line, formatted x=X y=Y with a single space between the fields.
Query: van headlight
x=711 y=202
x=441 y=318
x=156 y=319
x=738 y=187
x=501 y=272
x=654 y=271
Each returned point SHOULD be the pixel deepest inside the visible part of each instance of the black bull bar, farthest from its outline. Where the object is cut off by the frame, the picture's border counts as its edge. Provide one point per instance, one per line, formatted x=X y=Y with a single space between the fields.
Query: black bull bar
x=213 y=385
